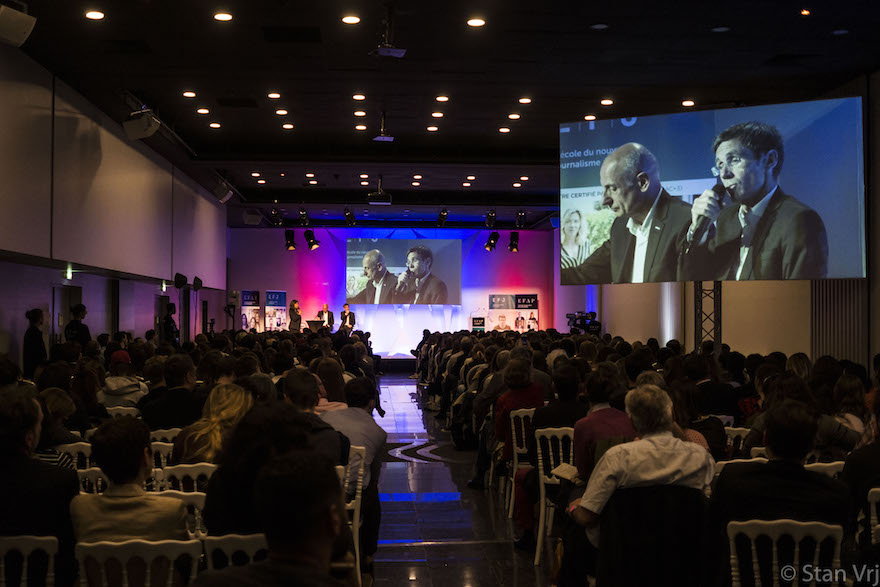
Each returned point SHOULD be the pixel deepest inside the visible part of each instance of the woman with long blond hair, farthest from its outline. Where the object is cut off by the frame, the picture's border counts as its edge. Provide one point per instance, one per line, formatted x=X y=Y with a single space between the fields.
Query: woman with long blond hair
x=575 y=245
x=201 y=441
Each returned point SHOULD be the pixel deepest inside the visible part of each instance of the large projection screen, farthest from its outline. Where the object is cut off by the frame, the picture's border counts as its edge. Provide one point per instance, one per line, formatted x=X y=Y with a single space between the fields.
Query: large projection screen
x=403 y=271
x=788 y=179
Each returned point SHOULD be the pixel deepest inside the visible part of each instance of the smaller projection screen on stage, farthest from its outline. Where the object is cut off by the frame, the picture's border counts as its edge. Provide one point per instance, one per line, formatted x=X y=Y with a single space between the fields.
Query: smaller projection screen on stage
x=778 y=193
x=403 y=271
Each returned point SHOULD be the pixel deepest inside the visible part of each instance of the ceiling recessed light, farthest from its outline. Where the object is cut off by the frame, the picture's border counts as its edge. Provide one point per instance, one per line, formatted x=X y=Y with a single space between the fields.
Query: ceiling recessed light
x=313 y=182
x=525 y=100
x=261 y=181
x=433 y=129
x=476 y=22
x=471 y=177
x=606 y=102
x=365 y=183
x=590 y=117
x=203 y=111
x=437 y=114
x=466 y=184
x=214 y=125
x=310 y=175
x=687 y=103
x=282 y=175
x=524 y=178
x=364 y=176
x=351 y=19
x=273 y=95
x=442 y=98
x=805 y=12
x=358 y=97
x=189 y=94
x=599 y=26
x=517 y=185
x=95 y=15
x=720 y=29
x=504 y=129
x=255 y=174
x=287 y=126
x=360 y=113
x=513 y=116
x=416 y=184
x=223 y=16
x=360 y=127
x=281 y=112
x=417 y=176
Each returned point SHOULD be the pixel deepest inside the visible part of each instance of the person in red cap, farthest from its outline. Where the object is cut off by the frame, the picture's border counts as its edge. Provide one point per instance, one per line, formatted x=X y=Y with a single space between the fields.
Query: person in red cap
x=122 y=388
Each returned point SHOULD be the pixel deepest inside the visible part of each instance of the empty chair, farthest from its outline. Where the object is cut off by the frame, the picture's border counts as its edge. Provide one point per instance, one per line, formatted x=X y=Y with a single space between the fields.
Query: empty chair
x=195 y=503
x=164 y=434
x=36 y=555
x=234 y=549
x=832 y=469
x=80 y=452
x=118 y=412
x=162 y=453
x=188 y=477
x=555 y=446
x=819 y=533
x=735 y=438
x=92 y=480
x=520 y=430
x=158 y=561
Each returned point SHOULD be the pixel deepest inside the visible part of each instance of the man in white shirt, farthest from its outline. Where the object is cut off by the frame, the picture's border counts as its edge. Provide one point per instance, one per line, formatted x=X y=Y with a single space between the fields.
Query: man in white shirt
x=326 y=315
x=380 y=282
x=766 y=234
x=650 y=227
x=656 y=458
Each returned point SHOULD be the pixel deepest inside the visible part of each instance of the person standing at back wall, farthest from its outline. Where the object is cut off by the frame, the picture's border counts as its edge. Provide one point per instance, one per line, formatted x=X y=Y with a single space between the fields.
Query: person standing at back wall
x=76 y=331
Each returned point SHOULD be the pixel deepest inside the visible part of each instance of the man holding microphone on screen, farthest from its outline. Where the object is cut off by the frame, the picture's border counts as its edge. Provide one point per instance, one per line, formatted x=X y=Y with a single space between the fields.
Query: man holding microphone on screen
x=417 y=285
x=767 y=234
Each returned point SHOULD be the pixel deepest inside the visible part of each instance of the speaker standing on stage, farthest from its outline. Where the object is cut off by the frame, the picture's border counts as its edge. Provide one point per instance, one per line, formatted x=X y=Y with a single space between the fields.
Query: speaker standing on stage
x=295 y=316
x=347 y=317
x=327 y=316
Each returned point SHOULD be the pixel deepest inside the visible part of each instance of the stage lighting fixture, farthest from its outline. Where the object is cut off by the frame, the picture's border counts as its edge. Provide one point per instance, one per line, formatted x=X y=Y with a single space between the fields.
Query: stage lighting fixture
x=513 y=247
x=490 y=219
x=311 y=241
x=197 y=283
x=304 y=217
x=275 y=218
x=289 y=242
x=179 y=280
x=493 y=240
x=520 y=219
x=441 y=217
x=349 y=218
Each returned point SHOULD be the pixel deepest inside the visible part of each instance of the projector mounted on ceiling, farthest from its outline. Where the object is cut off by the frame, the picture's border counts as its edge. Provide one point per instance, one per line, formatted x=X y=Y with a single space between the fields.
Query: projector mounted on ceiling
x=383 y=137
x=380 y=197
x=386 y=46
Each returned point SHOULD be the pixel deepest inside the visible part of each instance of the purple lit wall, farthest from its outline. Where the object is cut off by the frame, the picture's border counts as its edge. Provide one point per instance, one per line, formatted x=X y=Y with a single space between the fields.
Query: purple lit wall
x=259 y=261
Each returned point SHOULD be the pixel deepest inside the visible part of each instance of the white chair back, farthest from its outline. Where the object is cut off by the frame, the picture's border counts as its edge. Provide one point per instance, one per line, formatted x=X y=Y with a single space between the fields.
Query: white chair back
x=229 y=548
x=162 y=453
x=554 y=446
x=721 y=464
x=758 y=451
x=120 y=411
x=92 y=480
x=152 y=553
x=832 y=469
x=187 y=477
x=735 y=438
x=156 y=481
x=340 y=472
x=164 y=434
x=726 y=420
x=520 y=430
x=195 y=502
x=353 y=488
x=26 y=546
x=776 y=529
x=80 y=452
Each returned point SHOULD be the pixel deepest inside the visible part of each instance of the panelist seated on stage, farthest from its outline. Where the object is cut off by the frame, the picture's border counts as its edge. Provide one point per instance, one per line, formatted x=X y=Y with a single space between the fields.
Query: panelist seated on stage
x=346 y=318
x=417 y=285
x=649 y=229
x=380 y=281
x=326 y=316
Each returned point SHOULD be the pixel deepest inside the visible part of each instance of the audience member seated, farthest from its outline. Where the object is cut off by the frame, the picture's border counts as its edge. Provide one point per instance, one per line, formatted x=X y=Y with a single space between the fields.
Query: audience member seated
x=861 y=473
x=34 y=496
x=356 y=423
x=59 y=407
x=178 y=408
x=716 y=397
x=267 y=430
x=656 y=458
x=202 y=441
x=782 y=487
x=849 y=401
x=602 y=427
x=124 y=511
x=301 y=390
x=122 y=388
x=691 y=417
x=154 y=376
x=523 y=393
x=84 y=390
x=303 y=541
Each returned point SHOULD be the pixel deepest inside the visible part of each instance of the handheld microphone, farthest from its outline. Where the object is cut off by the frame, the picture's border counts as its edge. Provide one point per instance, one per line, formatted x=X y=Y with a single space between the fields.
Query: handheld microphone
x=401 y=286
x=704 y=222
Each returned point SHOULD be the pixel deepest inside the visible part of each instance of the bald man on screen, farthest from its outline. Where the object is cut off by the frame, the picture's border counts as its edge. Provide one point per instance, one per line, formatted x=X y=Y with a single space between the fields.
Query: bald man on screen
x=380 y=281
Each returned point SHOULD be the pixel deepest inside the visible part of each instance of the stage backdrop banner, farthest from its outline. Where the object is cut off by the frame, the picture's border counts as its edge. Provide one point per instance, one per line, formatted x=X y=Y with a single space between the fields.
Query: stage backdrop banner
x=276 y=310
x=363 y=264
x=250 y=310
x=517 y=312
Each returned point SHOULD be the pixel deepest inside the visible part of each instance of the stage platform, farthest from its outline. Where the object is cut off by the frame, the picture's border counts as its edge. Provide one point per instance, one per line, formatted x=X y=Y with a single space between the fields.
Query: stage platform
x=398 y=364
